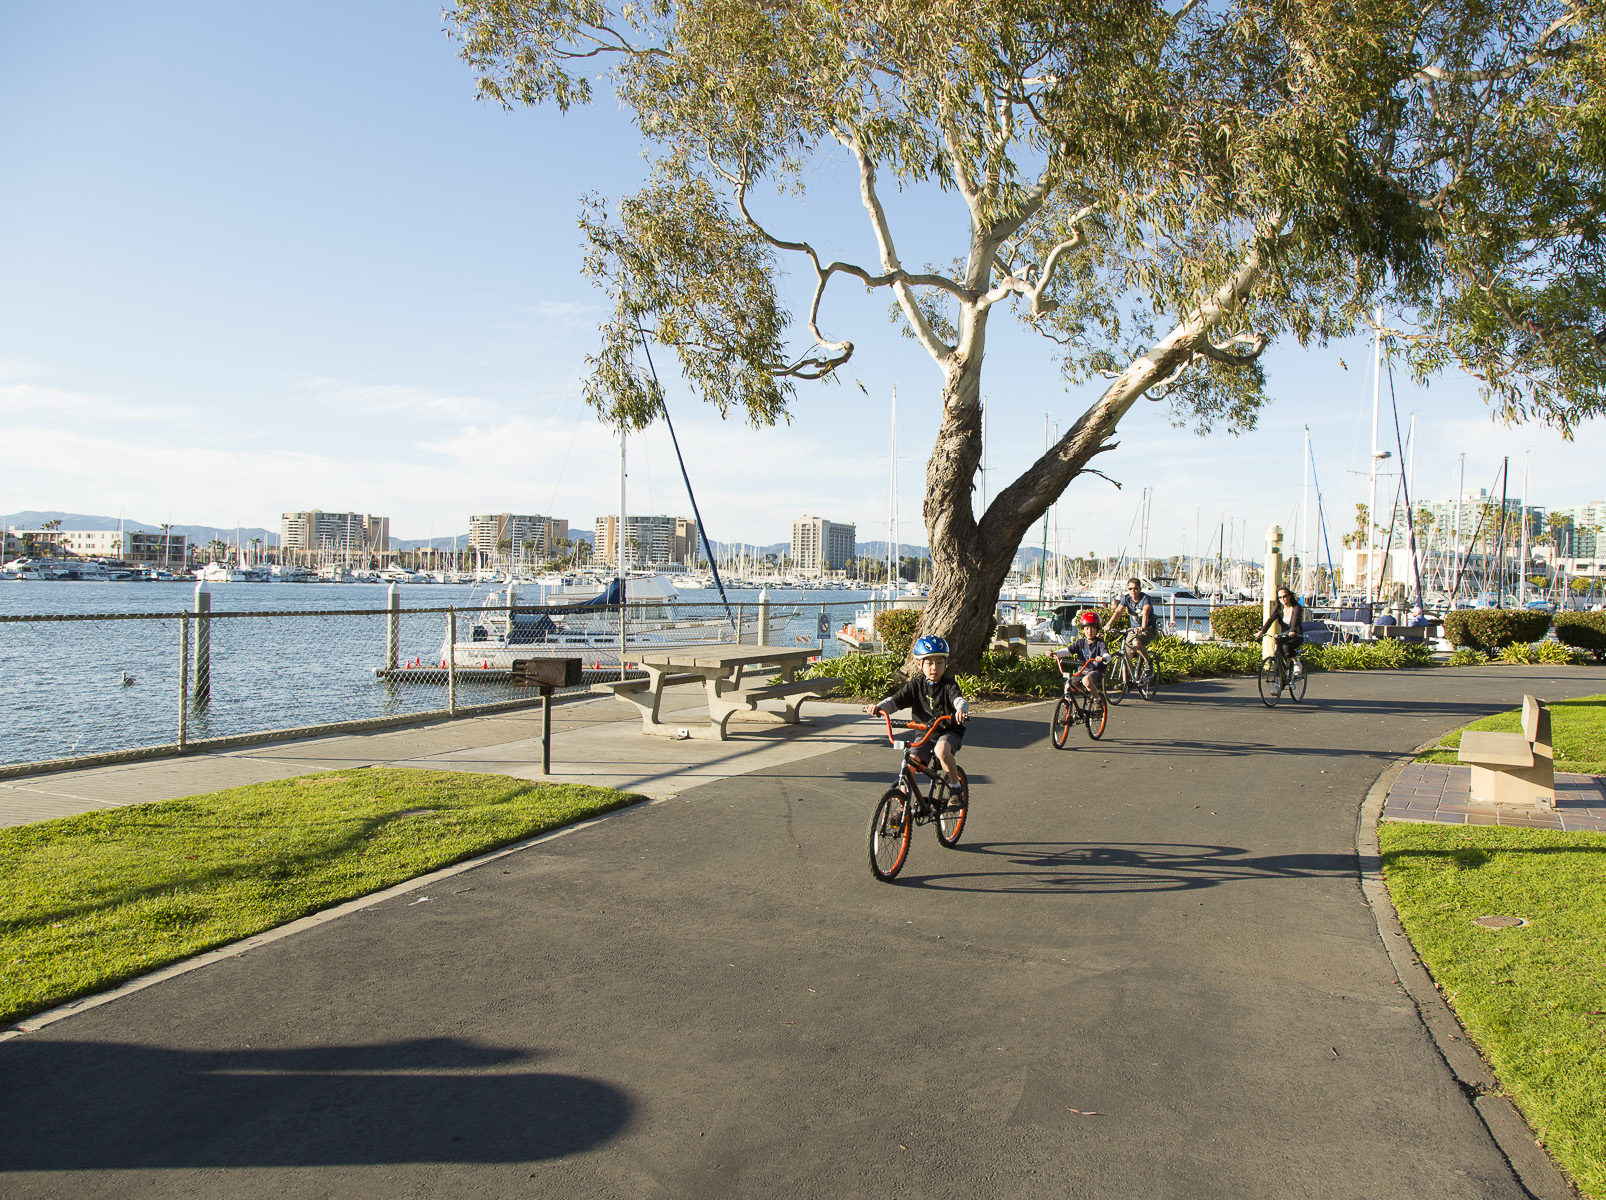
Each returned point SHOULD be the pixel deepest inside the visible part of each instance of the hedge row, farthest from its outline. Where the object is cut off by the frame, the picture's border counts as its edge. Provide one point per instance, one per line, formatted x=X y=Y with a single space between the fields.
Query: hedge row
x=1488 y=629
x=1584 y=631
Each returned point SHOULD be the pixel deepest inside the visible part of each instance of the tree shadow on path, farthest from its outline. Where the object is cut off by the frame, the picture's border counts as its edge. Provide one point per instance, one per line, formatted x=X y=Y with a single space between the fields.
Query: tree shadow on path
x=80 y=1105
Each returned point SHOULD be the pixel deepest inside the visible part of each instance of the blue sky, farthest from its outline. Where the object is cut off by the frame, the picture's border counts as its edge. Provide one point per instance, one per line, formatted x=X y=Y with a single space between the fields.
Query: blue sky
x=256 y=258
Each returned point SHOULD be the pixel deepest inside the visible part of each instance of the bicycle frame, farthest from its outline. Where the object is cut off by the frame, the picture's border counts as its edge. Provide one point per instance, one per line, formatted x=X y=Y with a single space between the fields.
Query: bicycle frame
x=909 y=761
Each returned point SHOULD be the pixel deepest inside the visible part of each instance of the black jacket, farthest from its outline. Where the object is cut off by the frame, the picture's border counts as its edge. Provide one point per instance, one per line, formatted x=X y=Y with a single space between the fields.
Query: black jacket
x=926 y=700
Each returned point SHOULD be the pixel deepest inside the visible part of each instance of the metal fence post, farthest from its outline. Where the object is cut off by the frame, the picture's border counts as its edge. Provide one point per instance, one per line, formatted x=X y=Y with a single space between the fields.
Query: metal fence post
x=762 y=633
x=203 y=645
x=451 y=661
x=183 y=679
x=393 y=628
x=741 y=615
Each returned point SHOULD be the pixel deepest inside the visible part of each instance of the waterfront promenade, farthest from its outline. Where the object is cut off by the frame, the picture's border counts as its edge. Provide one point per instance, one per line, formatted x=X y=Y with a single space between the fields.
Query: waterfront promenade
x=1151 y=968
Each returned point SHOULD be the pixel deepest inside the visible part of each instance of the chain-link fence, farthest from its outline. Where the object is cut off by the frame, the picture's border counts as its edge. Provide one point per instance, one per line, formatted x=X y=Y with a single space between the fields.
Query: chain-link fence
x=101 y=687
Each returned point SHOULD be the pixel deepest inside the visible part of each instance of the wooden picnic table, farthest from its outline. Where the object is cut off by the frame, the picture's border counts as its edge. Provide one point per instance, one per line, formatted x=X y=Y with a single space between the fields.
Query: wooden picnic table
x=720 y=669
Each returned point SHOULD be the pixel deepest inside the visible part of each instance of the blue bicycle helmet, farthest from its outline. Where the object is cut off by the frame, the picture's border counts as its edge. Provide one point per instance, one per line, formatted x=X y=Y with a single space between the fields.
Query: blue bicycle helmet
x=930 y=646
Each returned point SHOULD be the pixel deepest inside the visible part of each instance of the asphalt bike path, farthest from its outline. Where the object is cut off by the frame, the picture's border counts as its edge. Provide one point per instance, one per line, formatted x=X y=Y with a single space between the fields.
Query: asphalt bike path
x=1148 y=970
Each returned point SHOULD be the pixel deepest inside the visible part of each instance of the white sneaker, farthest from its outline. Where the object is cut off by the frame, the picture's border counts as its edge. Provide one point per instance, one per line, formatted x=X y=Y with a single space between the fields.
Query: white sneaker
x=1298 y=669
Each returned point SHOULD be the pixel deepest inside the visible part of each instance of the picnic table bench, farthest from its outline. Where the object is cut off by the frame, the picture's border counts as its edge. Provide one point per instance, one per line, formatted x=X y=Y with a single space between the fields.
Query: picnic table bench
x=1513 y=768
x=720 y=670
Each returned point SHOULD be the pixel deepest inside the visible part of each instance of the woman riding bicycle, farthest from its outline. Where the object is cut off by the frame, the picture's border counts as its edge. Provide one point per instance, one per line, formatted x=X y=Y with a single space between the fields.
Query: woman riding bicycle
x=1287 y=609
x=929 y=695
x=1090 y=654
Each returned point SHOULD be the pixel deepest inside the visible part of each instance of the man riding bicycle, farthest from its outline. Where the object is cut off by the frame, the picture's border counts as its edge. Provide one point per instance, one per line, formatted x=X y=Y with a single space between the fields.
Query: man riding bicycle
x=1287 y=609
x=1143 y=627
x=929 y=695
x=1090 y=654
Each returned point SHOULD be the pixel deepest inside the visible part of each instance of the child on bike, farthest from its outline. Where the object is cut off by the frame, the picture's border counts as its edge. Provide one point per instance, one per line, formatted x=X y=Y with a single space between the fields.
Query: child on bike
x=1089 y=654
x=929 y=695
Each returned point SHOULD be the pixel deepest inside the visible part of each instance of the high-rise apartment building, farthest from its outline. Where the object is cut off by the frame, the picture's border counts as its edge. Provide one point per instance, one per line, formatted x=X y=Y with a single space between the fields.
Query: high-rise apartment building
x=649 y=542
x=514 y=537
x=819 y=545
x=307 y=535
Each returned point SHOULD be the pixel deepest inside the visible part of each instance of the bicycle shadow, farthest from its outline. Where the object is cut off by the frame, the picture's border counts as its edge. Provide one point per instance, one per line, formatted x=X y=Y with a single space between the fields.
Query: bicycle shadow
x=1035 y=868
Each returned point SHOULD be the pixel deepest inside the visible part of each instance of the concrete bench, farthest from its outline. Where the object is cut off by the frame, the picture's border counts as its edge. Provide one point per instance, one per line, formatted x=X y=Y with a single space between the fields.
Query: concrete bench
x=1514 y=768
x=1011 y=638
x=624 y=687
x=734 y=701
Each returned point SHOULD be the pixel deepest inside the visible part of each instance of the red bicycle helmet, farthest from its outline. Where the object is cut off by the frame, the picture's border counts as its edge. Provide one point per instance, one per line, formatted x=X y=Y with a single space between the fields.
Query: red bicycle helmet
x=1090 y=617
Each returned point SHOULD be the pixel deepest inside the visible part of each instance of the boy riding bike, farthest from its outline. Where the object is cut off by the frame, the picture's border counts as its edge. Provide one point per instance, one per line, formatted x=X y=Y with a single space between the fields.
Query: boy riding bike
x=929 y=695
x=1090 y=654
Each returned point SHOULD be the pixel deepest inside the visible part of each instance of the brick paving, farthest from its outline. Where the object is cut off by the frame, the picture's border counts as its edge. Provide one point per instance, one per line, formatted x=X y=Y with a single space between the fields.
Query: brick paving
x=1441 y=792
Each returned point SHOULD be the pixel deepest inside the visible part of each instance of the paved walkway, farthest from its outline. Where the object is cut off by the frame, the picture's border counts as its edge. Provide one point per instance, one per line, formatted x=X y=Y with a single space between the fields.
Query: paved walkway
x=1149 y=970
x=1439 y=792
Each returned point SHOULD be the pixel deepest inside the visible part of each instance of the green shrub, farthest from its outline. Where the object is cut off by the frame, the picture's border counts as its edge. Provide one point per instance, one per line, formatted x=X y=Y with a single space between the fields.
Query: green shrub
x=1518 y=652
x=1466 y=656
x=1175 y=658
x=1387 y=655
x=1492 y=628
x=1003 y=674
x=1236 y=622
x=870 y=675
x=1584 y=631
x=897 y=627
x=1556 y=652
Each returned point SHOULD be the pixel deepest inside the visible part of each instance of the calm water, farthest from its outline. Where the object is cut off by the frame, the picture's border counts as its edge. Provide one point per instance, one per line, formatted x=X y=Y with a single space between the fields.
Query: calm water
x=87 y=686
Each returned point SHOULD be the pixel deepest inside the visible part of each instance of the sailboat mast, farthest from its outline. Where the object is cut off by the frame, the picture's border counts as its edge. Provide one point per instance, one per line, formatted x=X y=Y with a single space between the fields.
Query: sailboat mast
x=620 y=551
x=1460 y=491
x=1522 y=555
x=1304 y=523
x=1371 y=503
x=892 y=502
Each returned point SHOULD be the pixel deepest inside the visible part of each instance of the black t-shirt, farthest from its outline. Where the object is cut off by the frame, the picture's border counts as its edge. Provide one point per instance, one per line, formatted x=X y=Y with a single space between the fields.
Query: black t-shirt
x=928 y=701
x=1293 y=618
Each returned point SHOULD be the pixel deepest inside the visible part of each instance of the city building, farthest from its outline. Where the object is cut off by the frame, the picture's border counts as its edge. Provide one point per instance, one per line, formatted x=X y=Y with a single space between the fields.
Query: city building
x=122 y=545
x=516 y=538
x=819 y=546
x=310 y=537
x=650 y=542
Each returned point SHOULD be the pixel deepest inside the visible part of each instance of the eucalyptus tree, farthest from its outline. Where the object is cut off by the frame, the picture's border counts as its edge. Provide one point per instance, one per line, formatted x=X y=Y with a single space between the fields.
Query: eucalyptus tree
x=1158 y=190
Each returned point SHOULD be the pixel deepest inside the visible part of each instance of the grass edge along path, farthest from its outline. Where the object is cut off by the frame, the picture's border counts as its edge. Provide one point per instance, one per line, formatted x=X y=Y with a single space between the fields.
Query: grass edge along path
x=1531 y=998
x=89 y=901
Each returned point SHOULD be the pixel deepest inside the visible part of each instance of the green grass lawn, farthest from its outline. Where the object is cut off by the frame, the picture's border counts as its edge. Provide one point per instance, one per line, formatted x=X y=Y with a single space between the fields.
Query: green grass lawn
x=1533 y=999
x=1577 y=730
x=91 y=900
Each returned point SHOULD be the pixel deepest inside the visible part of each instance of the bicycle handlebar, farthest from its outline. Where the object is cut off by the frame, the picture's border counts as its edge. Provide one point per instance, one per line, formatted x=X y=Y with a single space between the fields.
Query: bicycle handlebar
x=930 y=730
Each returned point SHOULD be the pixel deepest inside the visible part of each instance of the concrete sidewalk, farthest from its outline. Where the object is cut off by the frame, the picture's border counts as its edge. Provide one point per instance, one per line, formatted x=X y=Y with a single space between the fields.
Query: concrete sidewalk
x=1150 y=969
x=595 y=740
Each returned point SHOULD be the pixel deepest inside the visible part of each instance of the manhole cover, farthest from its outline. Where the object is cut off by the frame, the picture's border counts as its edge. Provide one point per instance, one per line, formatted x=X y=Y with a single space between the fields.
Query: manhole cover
x=1501 y=922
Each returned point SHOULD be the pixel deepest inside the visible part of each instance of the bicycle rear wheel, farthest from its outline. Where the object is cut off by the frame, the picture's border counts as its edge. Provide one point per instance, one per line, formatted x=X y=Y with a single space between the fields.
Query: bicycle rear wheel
x=1115 y=687
x=1270 y=681
x=1146 y=682
x=889 y=834
x=1096 y=712
x=1296 y=686
x=1060 y=727
x=951 y=819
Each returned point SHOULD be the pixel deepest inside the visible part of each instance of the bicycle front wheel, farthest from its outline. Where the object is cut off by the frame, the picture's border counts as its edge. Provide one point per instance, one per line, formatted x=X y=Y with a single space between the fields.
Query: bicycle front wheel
x=1270 y=682
x=889 y=834
x=1115 y=687
x=1060 y=727
x=1096 y=712
x=1296 y=686
x=951 y=818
